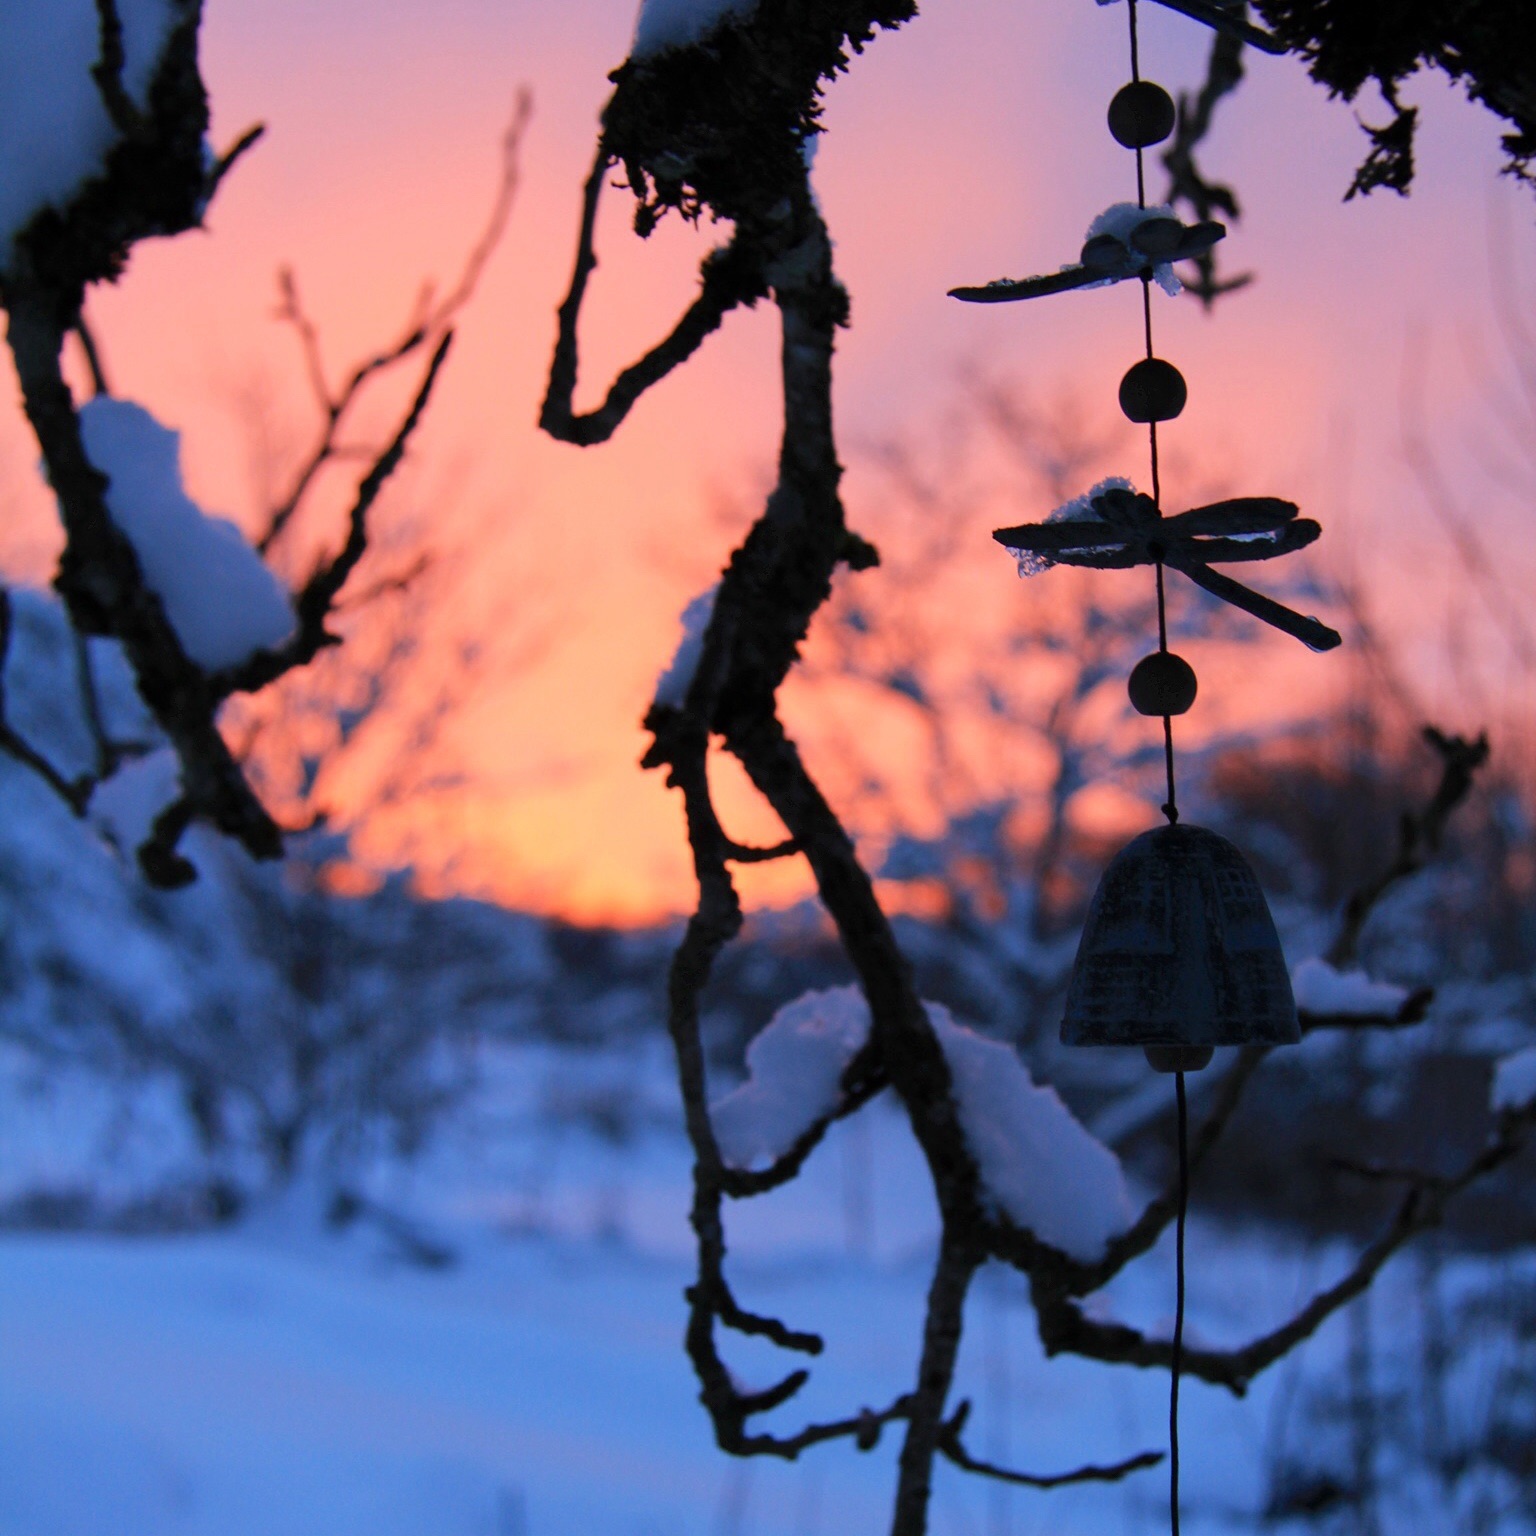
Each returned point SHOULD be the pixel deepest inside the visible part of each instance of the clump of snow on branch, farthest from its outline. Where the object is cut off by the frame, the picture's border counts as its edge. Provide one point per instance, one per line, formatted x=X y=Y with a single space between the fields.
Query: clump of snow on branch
x=54 y=130
x=126 y=805
x=1040 y=1166
x=679 y=23
x=1514 y=1082
x=1079 y=510
x=220 y=598
x=673 y=684
x=795 y=1067
x=1121 y=220
x=1343 y=994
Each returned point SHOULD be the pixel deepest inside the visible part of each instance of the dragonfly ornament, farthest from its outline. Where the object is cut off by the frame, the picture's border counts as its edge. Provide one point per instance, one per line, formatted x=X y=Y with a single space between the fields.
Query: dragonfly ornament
x=1124 y=241
x=1116 y=527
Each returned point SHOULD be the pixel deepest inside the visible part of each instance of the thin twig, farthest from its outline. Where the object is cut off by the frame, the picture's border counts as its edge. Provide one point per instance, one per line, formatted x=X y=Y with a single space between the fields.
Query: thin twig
x=1419 y=836
x=728 y=277
x=1223 y=74
x=951 y=1449
x=107 y=71
x=1064 y=1327
x=92 y=355
x=75 y=793
x=317 y=597
x=427 y=323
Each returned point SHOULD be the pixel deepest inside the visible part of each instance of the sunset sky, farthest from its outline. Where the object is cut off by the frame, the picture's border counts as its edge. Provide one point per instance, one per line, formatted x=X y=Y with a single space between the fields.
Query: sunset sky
x=969 y=145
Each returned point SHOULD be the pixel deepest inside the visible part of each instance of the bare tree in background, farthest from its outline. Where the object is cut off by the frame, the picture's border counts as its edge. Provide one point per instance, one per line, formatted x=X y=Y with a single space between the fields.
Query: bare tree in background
x=294 y=1060
x=157 y=179
x=720 y=126
x=408 y=665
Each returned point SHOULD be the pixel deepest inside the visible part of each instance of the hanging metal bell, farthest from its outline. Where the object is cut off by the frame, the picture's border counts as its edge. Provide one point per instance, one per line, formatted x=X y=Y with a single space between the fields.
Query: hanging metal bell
x=1179 y=954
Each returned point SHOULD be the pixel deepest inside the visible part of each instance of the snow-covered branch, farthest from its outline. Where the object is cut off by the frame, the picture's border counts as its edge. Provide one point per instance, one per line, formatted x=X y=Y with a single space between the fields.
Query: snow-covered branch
x=99 y=150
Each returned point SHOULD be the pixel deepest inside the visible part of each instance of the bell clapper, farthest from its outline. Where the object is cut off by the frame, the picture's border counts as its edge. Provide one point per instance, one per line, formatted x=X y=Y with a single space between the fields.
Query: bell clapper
x=1179 y=1058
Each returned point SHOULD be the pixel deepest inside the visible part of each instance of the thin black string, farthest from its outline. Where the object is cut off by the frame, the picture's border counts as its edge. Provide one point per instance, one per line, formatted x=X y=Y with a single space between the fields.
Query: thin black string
x=1141 y=177
x=1178 y=1313
x=1171 y=811
x=1171 y=805
x=1146 y=326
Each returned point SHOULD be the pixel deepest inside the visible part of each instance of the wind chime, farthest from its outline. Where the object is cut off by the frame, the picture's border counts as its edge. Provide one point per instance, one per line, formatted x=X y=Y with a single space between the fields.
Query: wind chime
x=1179 y=952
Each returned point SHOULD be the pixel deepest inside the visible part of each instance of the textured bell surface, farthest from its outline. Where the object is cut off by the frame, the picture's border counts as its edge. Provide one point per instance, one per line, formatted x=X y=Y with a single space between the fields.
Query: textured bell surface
x=1179 y=949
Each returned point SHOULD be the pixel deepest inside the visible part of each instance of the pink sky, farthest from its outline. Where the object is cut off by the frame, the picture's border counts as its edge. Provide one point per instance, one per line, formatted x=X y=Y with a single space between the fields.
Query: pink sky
x=968 y=145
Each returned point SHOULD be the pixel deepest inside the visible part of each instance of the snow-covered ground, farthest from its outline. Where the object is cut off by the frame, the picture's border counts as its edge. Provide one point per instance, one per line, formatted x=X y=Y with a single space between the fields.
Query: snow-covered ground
x=286 y=1376
x=280 y=1377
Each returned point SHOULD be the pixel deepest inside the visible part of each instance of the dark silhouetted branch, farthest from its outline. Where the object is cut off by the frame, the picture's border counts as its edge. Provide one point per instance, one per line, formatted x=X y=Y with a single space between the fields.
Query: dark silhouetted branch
x=428 y=324
x=1419 y=835
x=75 y=793
x=951 y=1449
x=1064 y=1327
x=727 y=278
x=104 y=590
x=317 y=598
x=1186 y=184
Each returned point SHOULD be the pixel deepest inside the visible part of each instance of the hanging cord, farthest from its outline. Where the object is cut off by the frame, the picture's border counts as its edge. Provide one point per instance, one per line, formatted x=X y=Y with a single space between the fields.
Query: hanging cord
x=1171 y=811
x=1141 y=184
x=1171 y=805
x=1178 y=1310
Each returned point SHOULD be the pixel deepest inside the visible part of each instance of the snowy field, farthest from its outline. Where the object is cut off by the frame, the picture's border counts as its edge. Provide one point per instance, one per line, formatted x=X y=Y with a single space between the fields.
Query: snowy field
x=283 y=1378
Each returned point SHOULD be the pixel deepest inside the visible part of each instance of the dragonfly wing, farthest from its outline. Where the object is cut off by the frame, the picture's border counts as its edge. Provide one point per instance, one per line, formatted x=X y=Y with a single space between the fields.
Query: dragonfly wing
x=1240 y=514
x=1312 y=633
x=1006 y=290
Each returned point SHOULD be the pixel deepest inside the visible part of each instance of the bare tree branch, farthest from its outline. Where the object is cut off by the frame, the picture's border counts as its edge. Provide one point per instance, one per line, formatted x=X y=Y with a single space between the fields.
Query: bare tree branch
x=951 y=1449
x=727 y=278
x=75 y=793
x=1064 y=1327
x=314 y=602
x=1419 y=836
x=1205 y=199
x=103 y=587
x=428 y=323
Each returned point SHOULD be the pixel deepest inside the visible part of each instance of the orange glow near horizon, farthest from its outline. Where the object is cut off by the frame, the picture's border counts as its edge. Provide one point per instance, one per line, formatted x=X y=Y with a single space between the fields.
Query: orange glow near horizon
x=967 y=146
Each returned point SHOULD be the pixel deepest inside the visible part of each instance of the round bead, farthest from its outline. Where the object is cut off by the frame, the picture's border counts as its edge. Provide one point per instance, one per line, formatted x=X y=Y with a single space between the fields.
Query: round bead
x=1162 y=684
x=1141 y=114
x=1153 y=390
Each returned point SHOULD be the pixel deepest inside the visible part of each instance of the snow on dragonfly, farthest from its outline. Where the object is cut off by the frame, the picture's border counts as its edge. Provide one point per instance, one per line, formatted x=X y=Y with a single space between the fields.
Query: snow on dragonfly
x=55 y=133
x=1320 y=989
x=1121 y=220
x=1079 y=510
x=667 y=24
x=220 y=598
x=673 y=684
x=1038 y=1165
